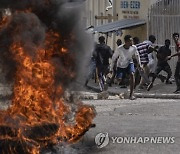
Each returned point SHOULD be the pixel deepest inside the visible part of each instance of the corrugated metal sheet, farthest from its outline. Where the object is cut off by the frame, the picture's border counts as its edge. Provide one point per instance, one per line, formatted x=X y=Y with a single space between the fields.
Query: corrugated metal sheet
x=117 y=25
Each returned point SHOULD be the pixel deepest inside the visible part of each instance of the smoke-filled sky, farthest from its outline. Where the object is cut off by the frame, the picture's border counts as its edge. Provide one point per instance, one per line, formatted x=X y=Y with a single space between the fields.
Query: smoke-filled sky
x=55 y=13
x=62 y=16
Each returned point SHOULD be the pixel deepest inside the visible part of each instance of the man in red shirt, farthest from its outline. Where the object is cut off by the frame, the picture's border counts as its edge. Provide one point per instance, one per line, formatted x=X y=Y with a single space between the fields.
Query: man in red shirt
x=177 y=71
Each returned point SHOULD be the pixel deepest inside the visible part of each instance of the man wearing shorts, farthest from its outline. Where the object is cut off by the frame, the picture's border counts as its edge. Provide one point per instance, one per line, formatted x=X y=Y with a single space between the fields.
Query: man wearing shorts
x=124 y=55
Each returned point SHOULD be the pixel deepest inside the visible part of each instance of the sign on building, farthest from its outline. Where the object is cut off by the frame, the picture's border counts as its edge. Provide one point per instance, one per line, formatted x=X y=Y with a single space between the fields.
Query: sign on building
x=130 y=8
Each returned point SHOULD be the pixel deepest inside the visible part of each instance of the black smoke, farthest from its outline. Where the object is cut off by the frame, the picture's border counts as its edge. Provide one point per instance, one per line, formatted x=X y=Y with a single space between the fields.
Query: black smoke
x=29 y=28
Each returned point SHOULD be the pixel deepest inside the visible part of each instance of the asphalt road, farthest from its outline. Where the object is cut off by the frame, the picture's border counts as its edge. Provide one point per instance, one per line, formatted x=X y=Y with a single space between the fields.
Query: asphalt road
x=144 y=119
x=149 y=121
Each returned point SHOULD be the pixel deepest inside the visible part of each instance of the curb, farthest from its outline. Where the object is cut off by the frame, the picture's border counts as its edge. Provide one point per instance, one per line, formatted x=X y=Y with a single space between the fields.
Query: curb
x=145 y=95
x=156 y=95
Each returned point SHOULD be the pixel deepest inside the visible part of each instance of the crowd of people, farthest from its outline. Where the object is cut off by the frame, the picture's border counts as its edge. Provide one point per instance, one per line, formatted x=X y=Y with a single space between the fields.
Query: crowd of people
x=140 y=62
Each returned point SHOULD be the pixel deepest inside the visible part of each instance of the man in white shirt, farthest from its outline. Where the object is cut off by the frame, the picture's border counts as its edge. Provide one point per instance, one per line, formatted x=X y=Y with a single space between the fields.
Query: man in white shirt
x=124 y=55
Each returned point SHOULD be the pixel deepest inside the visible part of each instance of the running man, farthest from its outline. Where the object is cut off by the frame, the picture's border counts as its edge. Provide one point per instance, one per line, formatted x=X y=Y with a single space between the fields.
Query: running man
x=144 y=50
x=102 y=53
x=162 y=55
x=124 y=55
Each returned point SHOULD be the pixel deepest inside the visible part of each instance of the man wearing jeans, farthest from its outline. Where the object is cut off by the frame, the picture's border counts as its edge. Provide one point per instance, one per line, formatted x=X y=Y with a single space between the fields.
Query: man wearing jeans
x=124 y=55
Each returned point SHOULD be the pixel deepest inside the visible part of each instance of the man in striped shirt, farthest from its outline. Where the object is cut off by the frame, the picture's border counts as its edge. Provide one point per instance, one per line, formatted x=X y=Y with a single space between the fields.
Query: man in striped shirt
x=144 y=49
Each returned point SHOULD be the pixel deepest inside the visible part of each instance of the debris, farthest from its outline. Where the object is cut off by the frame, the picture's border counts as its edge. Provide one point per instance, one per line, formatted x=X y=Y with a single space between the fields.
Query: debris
x=103 y=95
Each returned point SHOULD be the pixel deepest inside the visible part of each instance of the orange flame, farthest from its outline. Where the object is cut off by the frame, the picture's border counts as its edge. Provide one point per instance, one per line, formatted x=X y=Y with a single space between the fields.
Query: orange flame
x=63 y=50
x=37 y=102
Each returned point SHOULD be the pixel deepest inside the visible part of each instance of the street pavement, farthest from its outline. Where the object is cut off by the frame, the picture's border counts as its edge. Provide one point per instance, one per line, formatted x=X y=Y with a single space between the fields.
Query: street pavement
x=140 y=118
x=122 y=118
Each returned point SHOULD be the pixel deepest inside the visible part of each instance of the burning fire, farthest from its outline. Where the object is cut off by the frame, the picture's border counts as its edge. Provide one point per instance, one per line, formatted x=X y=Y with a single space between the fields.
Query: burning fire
x=39 y=115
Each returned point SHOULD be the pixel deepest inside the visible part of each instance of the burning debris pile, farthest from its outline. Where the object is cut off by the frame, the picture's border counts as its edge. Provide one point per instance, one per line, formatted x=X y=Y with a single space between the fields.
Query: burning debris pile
x=39 y=48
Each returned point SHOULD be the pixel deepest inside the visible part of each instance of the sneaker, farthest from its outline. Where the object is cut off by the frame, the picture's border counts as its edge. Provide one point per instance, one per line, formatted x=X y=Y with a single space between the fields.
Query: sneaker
x=177 y=91
x=149 y=86
x=132 y=97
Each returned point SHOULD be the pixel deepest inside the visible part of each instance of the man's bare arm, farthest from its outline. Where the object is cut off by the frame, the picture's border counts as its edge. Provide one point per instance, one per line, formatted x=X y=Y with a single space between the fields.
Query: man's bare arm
x=151 y=49
x=176 y=54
